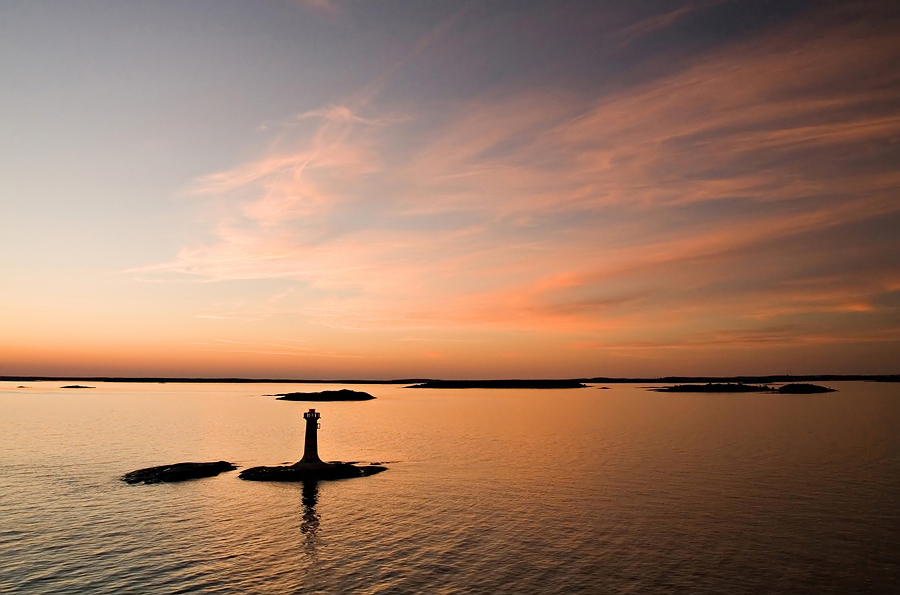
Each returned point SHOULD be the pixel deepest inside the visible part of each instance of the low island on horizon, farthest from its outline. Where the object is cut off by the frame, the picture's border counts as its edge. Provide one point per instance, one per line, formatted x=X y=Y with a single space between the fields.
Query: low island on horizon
x=500 y=384
x=324 y=396
x=794 y=388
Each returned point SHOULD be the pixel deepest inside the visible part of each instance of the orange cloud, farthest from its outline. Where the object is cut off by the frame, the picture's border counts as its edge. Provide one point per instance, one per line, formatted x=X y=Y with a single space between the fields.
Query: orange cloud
x=650 y=207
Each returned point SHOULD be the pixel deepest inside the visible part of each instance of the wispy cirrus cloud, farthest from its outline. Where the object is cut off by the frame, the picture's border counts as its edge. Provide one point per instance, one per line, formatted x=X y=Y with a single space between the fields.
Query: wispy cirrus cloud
x=661 y=205
x=657 y=22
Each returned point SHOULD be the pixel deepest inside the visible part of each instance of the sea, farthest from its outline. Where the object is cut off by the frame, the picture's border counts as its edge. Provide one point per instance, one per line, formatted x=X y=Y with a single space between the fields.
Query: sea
x=603 y=489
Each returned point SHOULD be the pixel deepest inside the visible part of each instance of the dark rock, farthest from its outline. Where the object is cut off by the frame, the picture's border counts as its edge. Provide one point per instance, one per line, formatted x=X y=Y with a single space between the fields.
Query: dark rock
x=177 y=472
x=714 y=387
x=76 y=386
x=310 y=472
x=500 y=384
x=800 y=388
x=343 y=394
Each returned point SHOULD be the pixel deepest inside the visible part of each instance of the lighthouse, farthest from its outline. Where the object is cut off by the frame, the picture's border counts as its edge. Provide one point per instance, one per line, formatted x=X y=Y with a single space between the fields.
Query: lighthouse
x=311 y=445
x=311 y=468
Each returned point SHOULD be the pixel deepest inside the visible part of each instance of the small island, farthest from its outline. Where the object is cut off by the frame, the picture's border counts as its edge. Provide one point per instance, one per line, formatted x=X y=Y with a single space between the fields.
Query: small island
x=802 y=388
x=500 y=384
x=343 y=394
x=177 y=472
x=311 y=471
x=76 y=386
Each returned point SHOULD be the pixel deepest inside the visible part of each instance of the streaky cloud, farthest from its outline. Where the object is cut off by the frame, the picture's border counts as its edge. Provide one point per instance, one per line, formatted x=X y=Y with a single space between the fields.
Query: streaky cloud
x=545 y=210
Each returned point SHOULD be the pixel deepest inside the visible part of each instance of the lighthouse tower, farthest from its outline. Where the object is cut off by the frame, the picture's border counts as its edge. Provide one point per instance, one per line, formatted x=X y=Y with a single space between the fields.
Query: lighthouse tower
x=311 y=446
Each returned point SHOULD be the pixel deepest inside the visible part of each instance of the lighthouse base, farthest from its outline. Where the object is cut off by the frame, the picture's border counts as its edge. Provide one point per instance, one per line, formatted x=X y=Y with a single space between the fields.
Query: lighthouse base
x=312 y=471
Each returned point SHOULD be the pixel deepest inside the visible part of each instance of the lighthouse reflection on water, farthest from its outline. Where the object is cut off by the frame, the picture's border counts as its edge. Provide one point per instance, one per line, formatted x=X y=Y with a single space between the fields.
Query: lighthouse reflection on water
x=310 y=494
x=310 y=525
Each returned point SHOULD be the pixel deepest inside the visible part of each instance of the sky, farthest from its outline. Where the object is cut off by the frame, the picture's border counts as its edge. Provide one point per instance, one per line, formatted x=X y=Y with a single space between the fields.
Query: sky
x=481 y=189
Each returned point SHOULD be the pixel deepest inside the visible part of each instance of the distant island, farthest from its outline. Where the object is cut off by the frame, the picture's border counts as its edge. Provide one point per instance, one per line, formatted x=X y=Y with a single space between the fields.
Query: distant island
x=76 y=386
x=739 y=387
x=327 y=395
x=772 y=379
x=500 y=384
x=800 y=388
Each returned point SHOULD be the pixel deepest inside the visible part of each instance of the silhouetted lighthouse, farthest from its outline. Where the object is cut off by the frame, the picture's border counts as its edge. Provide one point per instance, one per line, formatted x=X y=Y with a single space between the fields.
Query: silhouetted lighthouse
x=311 y=446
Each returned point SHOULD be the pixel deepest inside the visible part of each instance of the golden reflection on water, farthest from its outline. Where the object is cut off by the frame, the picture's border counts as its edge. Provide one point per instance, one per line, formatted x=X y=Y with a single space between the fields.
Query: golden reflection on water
x=310 y=526
x=566 y=491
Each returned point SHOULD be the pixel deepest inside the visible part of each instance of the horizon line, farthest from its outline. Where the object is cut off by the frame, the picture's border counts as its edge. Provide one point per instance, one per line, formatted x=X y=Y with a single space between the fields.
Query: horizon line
x=772 y=378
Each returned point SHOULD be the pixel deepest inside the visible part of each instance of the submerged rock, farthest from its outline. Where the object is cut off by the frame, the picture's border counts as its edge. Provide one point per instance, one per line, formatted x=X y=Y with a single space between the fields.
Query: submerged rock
x=310 y=472
x=343 y=394
x=177 y=472
x=802 y=388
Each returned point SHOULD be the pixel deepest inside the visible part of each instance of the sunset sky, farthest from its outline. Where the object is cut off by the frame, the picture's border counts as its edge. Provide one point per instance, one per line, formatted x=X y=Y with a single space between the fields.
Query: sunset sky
x=337 y=189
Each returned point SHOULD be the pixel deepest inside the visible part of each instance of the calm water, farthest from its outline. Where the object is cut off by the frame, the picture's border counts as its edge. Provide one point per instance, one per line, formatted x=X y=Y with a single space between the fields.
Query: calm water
x=501 y=491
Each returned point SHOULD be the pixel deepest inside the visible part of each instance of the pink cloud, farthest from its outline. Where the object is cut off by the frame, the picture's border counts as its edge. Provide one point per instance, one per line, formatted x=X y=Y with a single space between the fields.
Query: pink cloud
x=542 y=211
